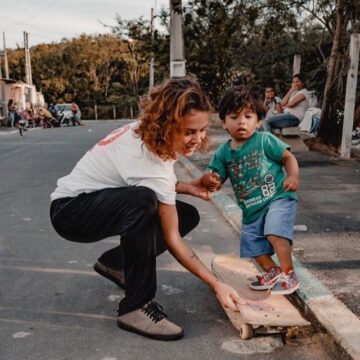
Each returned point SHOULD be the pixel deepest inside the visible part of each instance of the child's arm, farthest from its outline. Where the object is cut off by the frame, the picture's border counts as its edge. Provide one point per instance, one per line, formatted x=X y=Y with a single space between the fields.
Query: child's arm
x=201 y=186
x=278 y=108
x=290 y=163
x=211 y=181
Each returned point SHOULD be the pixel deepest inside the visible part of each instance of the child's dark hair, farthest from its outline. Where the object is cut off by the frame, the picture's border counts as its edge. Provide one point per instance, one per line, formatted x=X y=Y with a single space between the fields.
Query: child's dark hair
x=238 y=97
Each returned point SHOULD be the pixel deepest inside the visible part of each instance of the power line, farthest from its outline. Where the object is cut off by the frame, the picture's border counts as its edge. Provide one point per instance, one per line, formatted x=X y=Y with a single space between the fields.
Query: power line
x=26 y=8
x=32 y=16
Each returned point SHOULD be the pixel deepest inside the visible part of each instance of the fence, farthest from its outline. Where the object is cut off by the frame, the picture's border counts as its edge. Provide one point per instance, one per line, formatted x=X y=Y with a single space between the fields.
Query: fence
x=109 y=112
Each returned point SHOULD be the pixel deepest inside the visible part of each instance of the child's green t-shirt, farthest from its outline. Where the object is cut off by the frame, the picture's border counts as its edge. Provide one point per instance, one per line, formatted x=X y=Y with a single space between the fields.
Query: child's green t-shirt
x=255 y=171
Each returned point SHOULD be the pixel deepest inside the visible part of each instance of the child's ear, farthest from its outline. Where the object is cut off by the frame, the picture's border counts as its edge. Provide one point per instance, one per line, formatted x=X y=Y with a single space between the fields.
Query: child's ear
x=223 y=125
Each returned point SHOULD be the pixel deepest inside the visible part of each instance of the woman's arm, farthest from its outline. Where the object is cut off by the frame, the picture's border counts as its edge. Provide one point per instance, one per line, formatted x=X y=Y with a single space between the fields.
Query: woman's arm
x=296 y=100
x=193 y=188
x=187 y=258
x=286 y=98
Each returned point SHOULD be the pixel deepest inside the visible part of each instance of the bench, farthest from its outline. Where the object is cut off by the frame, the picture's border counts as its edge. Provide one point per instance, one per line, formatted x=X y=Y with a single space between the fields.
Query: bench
x=292 y=137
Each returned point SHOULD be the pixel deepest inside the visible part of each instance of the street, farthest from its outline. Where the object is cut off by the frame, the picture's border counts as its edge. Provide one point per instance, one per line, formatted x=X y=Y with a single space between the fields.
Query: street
x=54 y=306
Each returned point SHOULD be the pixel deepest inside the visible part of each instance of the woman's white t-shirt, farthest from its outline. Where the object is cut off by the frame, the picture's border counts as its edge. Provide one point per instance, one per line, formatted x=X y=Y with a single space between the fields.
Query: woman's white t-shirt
x=300 y=108
x=120 y=159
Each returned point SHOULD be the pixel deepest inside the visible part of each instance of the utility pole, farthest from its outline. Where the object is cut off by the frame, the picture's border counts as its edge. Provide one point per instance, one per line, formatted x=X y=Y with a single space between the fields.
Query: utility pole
x=0 y=67
x=151 y=72
x=177 y=54
x=296 y=64
x=345 y=149
x=28 y=73
x=6 y=65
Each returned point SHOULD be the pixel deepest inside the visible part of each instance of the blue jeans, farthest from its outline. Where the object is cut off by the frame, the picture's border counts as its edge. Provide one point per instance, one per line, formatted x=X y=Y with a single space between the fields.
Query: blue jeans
x=11 y=119
x=280 y=121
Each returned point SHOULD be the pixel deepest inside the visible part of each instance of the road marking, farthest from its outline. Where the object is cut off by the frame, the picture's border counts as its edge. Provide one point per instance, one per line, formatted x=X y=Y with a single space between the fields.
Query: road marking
x=252 y=346
x=20 y=335
x=49 y=270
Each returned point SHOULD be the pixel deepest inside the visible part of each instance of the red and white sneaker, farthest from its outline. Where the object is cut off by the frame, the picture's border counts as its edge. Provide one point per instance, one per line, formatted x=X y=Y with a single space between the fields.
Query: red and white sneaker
x=266 y=281
x=285 y=284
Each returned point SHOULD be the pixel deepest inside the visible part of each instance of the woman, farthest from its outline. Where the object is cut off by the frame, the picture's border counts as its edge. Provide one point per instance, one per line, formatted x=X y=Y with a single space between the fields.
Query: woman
x=294 y=104
x=126 y=185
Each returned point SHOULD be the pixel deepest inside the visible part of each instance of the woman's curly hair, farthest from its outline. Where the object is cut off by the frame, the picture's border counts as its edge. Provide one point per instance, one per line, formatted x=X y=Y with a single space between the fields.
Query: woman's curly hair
x=162 y=112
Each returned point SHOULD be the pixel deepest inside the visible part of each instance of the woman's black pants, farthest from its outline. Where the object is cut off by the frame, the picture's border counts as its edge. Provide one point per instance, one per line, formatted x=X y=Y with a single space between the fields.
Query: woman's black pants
x=132 y=213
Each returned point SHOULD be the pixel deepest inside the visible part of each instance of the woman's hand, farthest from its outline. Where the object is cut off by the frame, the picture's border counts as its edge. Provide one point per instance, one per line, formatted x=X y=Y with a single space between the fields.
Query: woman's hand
x=198 y=191
x=194 y=188
x=228 y=296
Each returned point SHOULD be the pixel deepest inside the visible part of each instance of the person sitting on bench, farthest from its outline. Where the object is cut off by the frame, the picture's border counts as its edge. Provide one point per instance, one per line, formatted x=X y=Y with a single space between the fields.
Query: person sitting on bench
x=272 y=102
x=294 y=103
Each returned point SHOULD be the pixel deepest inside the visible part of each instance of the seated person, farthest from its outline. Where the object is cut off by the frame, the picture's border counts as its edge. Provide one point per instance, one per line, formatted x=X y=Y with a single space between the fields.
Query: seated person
x=272 y=103
x=47 y=119
x=294 y=103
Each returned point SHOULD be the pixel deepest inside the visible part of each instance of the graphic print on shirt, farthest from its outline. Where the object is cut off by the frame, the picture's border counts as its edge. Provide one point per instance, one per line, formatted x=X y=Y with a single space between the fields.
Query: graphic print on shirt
x=114 y=135
x=252 y=184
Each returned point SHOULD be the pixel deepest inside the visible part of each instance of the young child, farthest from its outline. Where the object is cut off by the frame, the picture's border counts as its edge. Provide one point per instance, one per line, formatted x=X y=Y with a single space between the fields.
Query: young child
x=272 y=102
x=254 y=163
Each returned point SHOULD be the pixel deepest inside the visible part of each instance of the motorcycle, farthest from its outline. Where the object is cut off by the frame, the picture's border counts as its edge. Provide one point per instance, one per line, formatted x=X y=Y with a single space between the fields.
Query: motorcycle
x=21 y=125
x=65 y=119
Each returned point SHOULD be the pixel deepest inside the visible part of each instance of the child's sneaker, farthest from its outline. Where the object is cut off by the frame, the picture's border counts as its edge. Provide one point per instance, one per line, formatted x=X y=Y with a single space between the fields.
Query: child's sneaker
x=266 y=280
x=285 y=284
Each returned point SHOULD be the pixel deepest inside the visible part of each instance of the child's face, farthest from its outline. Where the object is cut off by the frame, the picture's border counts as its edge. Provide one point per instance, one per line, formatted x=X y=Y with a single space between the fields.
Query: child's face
x=241 y=125
x=194 y=123
x=269 y=93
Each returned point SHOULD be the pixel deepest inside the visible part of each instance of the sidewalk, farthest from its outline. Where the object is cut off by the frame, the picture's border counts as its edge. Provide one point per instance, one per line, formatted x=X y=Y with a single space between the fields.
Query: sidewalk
x=327 y=248
x=5 y=130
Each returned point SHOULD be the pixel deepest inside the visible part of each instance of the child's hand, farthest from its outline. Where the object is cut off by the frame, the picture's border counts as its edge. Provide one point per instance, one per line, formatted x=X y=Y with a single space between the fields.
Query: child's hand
x=211 y=181
x=291 y=183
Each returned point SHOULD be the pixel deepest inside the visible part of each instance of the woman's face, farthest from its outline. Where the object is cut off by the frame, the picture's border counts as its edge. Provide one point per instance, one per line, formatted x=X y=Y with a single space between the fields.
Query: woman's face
x=297 y=83
x=194 y=124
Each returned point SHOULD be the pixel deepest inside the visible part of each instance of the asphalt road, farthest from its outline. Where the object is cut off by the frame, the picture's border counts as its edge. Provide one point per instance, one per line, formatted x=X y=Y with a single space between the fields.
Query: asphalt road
x=54 y=306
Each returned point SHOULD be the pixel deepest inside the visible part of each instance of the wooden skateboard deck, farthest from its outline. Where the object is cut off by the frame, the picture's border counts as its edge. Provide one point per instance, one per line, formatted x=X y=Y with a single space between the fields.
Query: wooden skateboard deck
x=259 y=311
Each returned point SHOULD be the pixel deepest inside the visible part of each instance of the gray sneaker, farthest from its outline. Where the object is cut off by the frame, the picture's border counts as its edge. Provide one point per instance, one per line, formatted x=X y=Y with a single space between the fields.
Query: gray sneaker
x=116 y=276
x=150 y=321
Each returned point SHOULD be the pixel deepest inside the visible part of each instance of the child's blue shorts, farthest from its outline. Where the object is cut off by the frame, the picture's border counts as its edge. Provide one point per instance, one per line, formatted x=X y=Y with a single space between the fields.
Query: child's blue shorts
x=278 y=220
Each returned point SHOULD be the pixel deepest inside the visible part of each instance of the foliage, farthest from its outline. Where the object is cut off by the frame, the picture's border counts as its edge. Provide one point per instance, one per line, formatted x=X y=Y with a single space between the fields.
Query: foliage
x=222 y=37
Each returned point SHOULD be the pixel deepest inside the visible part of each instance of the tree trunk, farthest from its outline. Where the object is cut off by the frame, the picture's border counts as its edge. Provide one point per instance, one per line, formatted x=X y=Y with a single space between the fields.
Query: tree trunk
x=330 y=129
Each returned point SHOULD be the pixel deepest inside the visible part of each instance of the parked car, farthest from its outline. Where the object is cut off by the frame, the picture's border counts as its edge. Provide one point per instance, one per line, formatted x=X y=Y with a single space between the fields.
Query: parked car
x=63 y=109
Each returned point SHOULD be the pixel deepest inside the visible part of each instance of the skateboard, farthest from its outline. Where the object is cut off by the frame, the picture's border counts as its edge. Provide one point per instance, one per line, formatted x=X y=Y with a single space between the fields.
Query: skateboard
x=260 y=312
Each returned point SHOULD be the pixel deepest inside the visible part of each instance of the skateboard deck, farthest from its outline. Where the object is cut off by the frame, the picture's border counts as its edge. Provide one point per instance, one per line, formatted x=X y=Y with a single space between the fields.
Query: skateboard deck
x=259 y=311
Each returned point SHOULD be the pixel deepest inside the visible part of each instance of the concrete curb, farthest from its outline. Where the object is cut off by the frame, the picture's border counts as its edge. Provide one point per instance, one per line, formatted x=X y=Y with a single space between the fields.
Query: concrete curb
x=314 y=297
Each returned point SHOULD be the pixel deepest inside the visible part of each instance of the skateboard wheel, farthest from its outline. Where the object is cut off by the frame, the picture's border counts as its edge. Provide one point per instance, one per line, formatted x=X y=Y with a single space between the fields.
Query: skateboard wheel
x=246 y=332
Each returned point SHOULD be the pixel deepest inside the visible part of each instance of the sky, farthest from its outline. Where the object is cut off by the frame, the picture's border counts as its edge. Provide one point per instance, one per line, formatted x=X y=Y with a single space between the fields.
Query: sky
x=49 y=21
